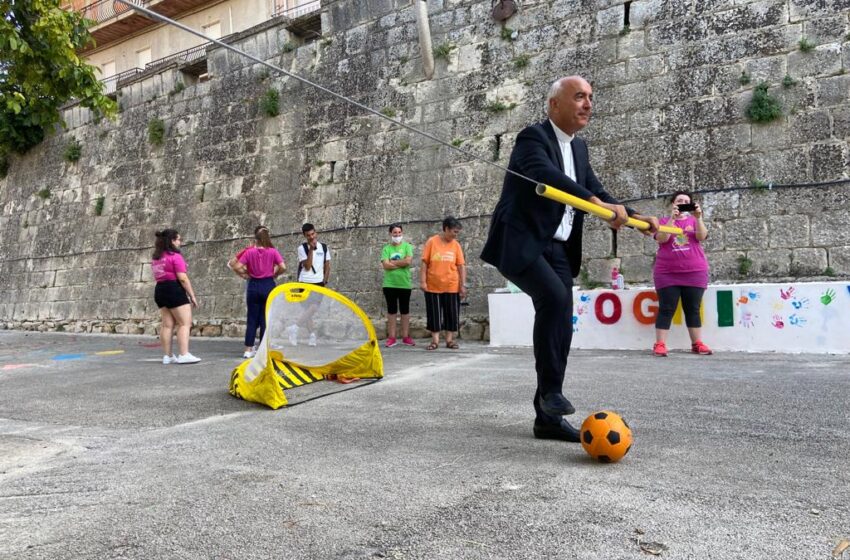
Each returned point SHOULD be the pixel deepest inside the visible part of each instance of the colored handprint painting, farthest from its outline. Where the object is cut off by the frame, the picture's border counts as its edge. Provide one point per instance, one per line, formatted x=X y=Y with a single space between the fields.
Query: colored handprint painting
x=581 y=308
x=747 y=317
x=802 y=303
x=797 y=320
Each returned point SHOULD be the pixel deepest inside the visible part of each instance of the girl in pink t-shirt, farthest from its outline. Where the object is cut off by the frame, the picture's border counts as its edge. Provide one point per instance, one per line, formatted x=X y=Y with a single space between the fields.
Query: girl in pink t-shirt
x=174 y=296
x=261 y=263
x=681 y=272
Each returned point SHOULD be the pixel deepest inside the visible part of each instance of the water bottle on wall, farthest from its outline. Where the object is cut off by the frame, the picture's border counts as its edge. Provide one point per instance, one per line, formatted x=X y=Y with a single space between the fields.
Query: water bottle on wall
x=615 y=275
x=621 y=282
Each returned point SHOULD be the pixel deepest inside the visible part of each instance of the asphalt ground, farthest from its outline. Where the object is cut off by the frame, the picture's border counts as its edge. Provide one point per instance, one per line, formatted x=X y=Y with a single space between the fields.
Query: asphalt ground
x=105 y=453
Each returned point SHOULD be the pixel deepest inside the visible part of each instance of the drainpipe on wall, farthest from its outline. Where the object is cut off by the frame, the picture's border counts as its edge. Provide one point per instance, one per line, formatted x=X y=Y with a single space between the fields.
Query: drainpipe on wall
x=420 y=8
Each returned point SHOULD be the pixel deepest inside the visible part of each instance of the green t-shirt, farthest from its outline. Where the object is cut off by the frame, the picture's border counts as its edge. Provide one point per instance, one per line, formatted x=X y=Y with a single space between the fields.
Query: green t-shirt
x=397 y=277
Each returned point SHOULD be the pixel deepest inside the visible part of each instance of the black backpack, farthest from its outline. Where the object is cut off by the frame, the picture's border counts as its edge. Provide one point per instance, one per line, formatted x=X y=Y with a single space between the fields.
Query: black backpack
x=307 y=250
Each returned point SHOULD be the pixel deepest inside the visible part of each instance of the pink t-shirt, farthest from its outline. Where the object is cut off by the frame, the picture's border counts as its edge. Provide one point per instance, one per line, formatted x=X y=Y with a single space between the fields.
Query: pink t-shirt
x=167 y=266
x=242 y=252
x=260 y=261
x=680 y=260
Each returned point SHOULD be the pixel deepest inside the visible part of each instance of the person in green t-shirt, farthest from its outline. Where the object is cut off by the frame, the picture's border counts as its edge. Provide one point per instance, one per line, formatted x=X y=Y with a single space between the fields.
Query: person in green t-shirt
x=396 y=258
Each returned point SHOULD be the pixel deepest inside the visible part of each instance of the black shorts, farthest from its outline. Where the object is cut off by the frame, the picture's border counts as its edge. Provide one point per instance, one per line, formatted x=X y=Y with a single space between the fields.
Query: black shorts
x=397 y=299
x=170 y=294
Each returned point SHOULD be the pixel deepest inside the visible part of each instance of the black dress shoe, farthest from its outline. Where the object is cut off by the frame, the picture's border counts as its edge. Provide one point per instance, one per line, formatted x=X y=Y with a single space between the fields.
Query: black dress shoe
x=556 y=404
x=563 y=431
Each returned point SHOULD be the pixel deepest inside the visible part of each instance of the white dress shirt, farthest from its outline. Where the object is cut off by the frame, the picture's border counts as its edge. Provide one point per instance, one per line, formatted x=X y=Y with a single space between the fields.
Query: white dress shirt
x=564 y=139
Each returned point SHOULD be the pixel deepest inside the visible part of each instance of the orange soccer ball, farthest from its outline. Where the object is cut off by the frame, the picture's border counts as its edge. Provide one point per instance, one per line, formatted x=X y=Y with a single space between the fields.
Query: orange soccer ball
x=605 y=436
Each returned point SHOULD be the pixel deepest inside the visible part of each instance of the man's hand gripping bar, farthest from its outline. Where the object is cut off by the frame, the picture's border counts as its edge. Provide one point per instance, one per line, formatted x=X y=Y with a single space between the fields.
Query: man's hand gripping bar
x=564 y=198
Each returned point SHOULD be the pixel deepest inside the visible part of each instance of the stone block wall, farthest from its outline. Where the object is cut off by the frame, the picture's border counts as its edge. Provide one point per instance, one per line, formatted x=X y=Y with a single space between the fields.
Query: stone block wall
x=76 y=238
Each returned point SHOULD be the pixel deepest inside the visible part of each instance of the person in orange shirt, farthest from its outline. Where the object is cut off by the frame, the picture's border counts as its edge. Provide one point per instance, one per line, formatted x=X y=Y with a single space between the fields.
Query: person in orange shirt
x=442 y=277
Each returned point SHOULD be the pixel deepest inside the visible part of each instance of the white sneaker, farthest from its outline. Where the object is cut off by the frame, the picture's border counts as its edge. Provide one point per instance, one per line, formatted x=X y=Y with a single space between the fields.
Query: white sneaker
x=312 y=341
x=187 y=358
x=293 y=334
x=249 y=354
x=169 y=360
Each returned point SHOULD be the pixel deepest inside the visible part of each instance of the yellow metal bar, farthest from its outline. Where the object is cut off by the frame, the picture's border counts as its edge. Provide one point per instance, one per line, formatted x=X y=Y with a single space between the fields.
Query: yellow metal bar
x=565 y=198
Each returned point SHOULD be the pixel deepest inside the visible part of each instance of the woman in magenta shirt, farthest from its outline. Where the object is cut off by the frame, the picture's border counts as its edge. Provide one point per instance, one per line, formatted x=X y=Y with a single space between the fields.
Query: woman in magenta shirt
x=262 y=263
x=173 y=295
x=681 y=272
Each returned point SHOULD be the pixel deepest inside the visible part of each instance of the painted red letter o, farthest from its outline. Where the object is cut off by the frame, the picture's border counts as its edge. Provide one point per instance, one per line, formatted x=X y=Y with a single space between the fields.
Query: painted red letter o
x=599 y=308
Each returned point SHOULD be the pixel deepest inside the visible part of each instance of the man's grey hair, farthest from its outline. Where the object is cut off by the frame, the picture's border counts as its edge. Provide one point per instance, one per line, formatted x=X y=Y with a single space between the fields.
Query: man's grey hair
x=556 y=87
x=554 y=90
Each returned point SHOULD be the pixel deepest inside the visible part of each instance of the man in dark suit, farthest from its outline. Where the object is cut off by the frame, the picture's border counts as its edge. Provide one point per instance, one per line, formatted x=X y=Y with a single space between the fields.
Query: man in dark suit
x=536 y=242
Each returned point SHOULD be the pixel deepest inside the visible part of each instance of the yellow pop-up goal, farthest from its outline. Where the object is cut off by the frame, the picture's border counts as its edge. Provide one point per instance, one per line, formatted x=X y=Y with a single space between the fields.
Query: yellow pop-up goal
x=312 y=333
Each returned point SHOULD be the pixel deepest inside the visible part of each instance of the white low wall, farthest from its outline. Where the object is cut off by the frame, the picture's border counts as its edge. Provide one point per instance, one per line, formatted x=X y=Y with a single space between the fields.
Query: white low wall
x=804 y=317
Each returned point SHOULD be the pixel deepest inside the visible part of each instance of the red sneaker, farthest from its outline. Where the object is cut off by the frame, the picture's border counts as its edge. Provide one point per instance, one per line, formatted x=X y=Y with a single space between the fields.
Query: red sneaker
x=699 y=348
x=407 y=341
x=659 y=349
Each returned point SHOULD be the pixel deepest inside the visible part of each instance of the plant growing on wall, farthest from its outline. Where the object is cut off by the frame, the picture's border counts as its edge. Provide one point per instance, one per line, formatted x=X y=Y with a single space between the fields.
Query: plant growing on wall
x=443 y=50
x=508 y=34
x=744 y=265
x=585 y=282
x=805 y=45
x=270 y=103
x=521 y=61
x=759 y=185
x=44 y=193
x=98 y=205
x=788 y=81
x=73 y=150
x=41 y=70
x=498 y=106
x=763 y=107
x=745 y=78
x=156 y=131
x=178 y=87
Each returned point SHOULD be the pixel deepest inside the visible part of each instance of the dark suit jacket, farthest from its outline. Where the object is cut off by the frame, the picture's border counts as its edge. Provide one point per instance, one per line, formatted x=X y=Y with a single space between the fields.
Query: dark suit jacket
x=523 y=222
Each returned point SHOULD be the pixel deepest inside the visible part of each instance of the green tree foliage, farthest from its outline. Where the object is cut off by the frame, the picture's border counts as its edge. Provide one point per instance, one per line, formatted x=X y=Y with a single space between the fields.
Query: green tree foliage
x=40 y=70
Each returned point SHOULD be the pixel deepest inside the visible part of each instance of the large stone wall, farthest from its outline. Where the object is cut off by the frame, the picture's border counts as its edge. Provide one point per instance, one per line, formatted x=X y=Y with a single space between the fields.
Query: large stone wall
x=669 y=113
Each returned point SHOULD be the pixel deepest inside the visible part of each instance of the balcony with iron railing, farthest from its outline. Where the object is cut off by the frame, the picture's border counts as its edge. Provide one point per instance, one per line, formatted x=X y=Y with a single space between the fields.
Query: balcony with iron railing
x=190 y=61
x=186 y=60
x=303 y=20
x=284 y=8
x=115 y=21
x=113 y=83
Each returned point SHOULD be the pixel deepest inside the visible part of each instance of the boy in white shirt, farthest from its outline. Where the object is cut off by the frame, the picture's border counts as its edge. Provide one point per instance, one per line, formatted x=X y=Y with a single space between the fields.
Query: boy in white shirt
x=314 y=267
